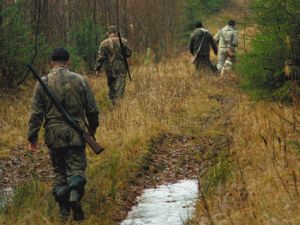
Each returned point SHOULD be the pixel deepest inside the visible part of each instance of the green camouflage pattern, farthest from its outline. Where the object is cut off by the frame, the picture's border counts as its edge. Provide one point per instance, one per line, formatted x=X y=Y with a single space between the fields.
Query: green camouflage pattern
x=116 y=87
x=67 y=163
x=110 y=56
x=75 y=95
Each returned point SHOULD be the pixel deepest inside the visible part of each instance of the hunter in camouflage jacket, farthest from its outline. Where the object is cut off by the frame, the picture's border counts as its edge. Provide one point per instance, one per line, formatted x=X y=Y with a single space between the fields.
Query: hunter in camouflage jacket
x=75 y=95
x=111 y=58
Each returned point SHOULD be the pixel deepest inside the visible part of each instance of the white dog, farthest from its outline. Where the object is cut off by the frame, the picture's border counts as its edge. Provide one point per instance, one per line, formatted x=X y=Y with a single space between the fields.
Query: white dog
x=226 y=68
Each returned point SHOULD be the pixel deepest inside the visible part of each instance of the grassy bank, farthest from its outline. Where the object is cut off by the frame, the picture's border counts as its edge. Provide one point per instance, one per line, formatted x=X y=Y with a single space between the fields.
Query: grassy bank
x=263 y=186
x=168 y=98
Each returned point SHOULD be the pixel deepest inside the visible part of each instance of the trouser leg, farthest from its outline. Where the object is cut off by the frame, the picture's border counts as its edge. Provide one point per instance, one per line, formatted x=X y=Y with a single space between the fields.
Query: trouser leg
x=111 y=85
x=76 y=165
x=222 y=56
x=120 y=85
x=60 y=184
x=204 y=65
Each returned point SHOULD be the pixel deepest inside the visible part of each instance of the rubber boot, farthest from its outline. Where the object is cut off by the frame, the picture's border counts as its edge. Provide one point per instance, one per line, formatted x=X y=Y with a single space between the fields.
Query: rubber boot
x=61 y=195
x=78 y=214
x=64 y=210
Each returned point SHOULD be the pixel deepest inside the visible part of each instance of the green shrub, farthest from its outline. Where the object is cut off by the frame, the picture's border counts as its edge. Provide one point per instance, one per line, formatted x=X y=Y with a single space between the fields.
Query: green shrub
x=84 y=43
x=15 y=43
x=277 y=44
x=196 y=10
x=262 y=69
x=213 y=5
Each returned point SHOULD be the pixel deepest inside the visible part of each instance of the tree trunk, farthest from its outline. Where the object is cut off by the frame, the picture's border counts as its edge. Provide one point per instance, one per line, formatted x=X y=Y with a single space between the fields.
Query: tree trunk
x=117 y=9
x=1 y=8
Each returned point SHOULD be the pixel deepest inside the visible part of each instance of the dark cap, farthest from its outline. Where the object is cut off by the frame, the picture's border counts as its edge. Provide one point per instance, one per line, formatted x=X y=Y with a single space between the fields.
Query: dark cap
x=60 y=54
x=198 y=24
x=231 y=22
x=112 y=29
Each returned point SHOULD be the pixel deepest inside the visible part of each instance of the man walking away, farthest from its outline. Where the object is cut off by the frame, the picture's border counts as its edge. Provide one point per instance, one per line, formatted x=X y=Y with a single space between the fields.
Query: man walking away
x=110 y=56
x=200 y=42
x=227 y=38
x=66 y=146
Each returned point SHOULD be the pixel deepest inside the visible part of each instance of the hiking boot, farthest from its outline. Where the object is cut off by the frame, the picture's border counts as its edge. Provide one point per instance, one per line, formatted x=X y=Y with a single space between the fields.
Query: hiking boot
x=78 y=214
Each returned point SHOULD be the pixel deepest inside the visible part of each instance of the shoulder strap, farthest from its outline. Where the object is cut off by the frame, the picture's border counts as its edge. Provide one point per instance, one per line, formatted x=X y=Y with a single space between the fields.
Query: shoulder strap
x=200 y=46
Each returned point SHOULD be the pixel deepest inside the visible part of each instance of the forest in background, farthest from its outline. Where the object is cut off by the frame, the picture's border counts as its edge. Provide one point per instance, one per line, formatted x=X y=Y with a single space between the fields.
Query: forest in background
x=29 y=30
x=254 y=181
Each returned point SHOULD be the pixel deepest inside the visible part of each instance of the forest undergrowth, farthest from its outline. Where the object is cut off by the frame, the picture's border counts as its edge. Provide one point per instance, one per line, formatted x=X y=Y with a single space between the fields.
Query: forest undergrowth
x=163 y=99
x=253 y=181
x=244 y=153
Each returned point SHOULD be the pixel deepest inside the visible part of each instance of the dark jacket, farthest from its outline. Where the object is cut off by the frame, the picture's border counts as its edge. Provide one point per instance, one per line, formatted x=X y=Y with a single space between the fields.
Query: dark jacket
x=195 y=41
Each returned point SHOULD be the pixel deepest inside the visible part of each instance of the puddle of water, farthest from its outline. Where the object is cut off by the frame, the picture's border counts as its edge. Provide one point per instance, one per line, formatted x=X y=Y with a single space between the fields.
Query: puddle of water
x=171 y=204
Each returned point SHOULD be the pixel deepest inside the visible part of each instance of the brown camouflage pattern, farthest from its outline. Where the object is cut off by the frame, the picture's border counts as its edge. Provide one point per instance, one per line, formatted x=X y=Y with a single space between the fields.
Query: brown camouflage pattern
x=67 y=163
x=110 y=56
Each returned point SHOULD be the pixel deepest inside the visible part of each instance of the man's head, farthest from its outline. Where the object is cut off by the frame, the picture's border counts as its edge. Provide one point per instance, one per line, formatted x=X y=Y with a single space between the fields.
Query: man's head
x=231 y=23
x=198 y=24
x=112 y=30
x=60 y=56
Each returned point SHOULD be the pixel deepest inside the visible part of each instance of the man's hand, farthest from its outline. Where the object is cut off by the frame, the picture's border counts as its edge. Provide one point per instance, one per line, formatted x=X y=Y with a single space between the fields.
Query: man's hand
x=32 y=146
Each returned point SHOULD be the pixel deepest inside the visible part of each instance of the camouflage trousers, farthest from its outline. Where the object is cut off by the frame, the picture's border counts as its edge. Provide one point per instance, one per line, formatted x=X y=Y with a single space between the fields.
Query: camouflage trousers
x=116 y=86
x=69 y=166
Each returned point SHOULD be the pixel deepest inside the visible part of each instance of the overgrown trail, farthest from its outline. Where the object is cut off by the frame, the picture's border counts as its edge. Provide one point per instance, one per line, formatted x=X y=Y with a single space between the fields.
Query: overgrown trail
x=174 y=157
x=172 y=125
x=21 y=165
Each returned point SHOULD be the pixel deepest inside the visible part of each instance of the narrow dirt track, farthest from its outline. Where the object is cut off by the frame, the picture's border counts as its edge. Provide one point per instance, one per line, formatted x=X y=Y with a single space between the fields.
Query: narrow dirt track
x=178 y=157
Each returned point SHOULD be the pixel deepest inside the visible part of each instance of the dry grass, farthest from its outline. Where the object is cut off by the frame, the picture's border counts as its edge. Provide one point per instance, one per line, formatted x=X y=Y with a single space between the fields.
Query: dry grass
x=165 y=98
x=264 y=188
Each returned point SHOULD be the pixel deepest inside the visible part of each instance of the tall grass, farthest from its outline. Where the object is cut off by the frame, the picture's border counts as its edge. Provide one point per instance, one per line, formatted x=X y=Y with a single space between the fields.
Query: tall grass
x=168 y=98
x=264 y=185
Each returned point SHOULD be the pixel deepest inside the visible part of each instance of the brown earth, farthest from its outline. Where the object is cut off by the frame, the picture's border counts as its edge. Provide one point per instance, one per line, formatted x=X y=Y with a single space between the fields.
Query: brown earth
x=178 y=157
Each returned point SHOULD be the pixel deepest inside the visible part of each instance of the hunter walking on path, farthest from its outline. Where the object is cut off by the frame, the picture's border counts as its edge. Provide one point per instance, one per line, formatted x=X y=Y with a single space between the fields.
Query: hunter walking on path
x=227 y=38
x=111 y=57
x=66 y=146
x=200 y=42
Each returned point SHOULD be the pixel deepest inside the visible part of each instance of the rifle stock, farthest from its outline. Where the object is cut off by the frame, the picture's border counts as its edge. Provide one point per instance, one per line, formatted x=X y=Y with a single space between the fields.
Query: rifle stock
x=92 y=143
x=86 y=136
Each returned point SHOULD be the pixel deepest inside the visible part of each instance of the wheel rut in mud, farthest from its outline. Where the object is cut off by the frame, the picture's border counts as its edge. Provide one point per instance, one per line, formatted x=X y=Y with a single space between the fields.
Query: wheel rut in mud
x=173 y=158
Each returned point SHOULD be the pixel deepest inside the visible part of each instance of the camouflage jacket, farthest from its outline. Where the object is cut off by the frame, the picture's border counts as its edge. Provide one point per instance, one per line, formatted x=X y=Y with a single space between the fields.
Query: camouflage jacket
x=227 y=37
x=110 y=56
x=75 y=95
x=208 y=41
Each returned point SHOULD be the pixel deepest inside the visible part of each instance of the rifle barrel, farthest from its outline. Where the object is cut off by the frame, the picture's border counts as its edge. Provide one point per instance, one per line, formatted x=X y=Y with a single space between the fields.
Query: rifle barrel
x=124 y=56
x=88 y=137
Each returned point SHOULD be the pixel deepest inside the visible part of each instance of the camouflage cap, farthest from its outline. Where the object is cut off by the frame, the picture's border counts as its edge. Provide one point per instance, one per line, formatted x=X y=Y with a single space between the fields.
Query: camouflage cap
x=112 y=29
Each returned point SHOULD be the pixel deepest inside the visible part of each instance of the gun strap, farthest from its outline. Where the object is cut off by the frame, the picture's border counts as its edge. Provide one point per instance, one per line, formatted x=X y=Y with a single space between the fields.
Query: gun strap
x=201 y=44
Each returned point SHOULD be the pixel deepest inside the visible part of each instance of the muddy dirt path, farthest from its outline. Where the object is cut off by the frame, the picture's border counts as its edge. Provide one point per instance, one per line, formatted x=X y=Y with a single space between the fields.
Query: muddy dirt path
x=178 y=157
x=21 y=165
